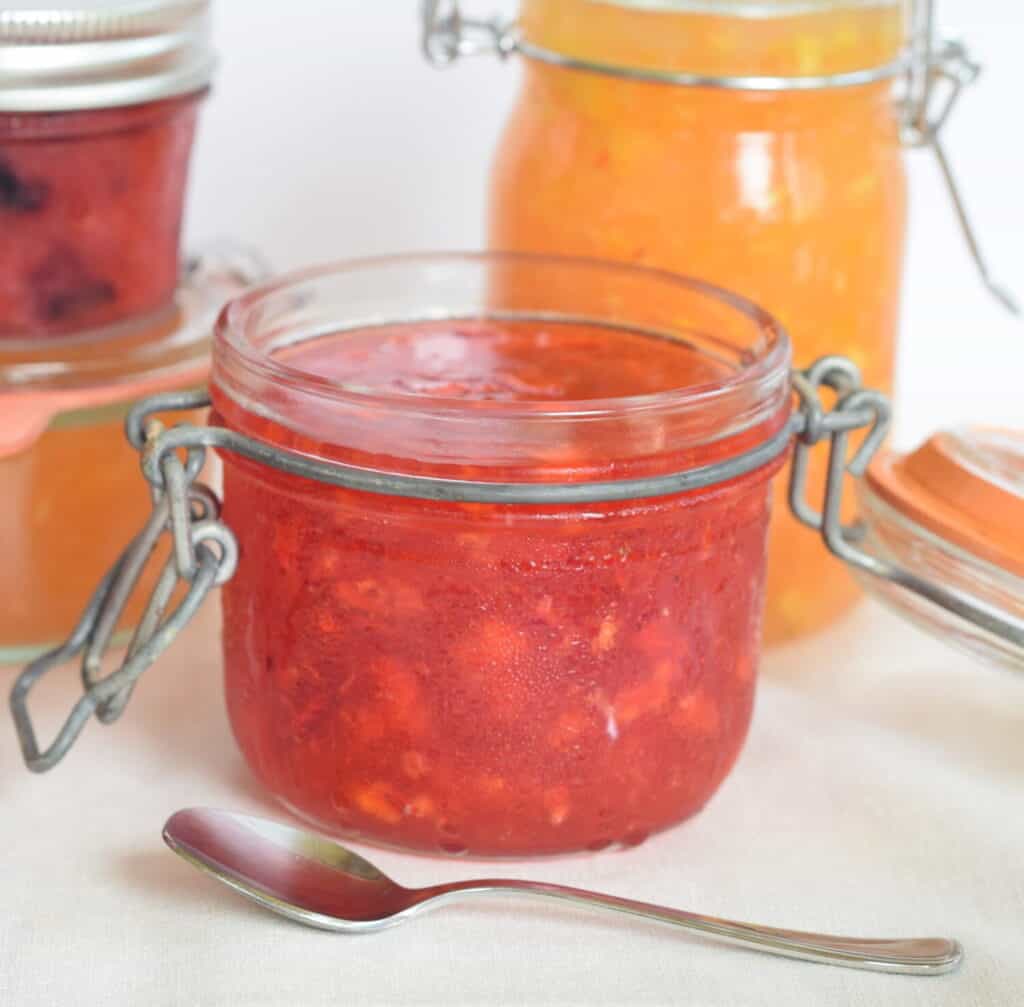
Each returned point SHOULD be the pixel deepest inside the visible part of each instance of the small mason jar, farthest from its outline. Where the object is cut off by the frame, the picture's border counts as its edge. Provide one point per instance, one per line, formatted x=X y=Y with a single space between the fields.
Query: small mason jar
x=757 y=144
x=493 y=544
x=98 y=107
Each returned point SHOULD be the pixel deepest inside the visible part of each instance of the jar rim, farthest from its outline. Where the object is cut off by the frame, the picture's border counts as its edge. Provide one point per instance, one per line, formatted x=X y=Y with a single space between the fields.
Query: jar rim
x=746 y=8
x=634 y=46
x=765 y=364
x=255 y=392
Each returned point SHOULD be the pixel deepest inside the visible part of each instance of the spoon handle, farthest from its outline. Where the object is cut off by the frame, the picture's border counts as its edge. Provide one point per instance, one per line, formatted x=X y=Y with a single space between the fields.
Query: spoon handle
x=912 y=956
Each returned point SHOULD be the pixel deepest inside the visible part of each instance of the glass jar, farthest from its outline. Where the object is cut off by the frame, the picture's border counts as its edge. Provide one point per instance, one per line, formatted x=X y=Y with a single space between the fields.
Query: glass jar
x=492 y=544
x=796 y=198
x=567 y=676
x=62 y=446
x=95 y=137
x=753 y=143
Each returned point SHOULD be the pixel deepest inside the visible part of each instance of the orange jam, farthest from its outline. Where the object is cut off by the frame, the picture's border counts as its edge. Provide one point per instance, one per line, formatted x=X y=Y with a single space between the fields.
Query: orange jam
x=794 y=198
x=69 y=500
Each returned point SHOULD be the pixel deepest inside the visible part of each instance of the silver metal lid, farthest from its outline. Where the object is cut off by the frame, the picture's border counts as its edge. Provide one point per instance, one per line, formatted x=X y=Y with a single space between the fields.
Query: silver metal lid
x=86 y=54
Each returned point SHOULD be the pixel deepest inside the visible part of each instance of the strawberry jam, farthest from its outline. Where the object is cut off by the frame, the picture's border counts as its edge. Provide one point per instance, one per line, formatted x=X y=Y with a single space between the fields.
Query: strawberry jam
x=498 y=679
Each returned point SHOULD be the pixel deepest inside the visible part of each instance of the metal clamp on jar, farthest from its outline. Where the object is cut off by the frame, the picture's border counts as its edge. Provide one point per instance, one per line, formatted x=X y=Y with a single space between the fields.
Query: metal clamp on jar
x=596 y=605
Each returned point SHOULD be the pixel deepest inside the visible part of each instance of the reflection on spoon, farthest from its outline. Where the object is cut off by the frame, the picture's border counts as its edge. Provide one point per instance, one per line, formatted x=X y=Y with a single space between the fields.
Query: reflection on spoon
x=317 y=882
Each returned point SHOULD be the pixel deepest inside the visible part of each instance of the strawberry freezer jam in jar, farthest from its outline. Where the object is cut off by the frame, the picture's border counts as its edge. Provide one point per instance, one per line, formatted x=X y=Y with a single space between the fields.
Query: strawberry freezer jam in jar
x=536 y=643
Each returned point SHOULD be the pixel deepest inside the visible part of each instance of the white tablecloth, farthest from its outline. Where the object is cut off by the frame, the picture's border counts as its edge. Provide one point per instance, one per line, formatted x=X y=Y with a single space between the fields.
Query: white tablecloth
x=881 y=793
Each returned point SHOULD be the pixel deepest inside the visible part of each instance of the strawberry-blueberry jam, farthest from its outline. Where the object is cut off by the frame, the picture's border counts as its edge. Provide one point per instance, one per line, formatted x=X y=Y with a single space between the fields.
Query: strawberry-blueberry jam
x=90 y=215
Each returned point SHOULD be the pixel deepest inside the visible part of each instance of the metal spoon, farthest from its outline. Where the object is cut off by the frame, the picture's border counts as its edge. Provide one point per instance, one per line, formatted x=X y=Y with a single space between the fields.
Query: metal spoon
x=317 y=882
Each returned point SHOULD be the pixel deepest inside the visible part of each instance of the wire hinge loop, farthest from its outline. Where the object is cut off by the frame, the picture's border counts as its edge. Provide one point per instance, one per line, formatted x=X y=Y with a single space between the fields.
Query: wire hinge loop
x=204 y=554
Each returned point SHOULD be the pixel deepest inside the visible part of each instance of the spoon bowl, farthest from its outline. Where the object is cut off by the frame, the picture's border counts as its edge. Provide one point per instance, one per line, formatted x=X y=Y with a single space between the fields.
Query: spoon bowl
x=318 y=882
x=290 y=871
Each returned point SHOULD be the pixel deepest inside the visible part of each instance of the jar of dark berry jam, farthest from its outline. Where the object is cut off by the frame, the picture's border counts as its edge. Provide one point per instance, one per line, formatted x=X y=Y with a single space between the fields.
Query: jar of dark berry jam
x=98 y=108
x=493 y=543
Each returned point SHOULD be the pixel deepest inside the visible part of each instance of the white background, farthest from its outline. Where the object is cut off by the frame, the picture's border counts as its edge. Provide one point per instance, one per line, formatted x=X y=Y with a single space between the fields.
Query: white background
x=327 y=136
x=880 y=792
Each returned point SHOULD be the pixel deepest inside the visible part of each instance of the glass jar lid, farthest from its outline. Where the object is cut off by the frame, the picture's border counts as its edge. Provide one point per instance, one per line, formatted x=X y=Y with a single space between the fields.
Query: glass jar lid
x=952 y=511
x=123 y=362
x=87 y=54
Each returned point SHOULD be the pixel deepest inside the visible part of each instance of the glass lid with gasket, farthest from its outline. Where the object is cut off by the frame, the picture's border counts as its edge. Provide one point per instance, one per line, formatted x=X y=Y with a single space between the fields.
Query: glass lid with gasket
x=952 y=511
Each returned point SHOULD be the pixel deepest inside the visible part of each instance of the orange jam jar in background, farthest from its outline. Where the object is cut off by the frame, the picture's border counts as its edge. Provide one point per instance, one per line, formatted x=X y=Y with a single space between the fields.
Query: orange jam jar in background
x=794 y=197
x=98 y=107
x=498 y=678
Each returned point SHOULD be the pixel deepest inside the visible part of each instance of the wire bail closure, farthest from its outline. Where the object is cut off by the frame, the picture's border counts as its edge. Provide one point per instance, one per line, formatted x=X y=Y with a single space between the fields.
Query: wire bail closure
x=205 y=555
x=934 y=73
x=448 y=36
x=857 y=405
x=938 y=73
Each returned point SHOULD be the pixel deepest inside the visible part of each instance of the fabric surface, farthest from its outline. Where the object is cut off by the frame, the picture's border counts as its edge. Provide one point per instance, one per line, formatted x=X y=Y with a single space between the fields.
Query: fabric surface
x=880 y=794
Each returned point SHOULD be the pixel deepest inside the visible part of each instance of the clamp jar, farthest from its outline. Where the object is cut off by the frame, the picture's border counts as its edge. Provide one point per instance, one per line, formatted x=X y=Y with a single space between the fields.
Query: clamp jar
x=756 y=144
x=492 y=544
x=98 y=108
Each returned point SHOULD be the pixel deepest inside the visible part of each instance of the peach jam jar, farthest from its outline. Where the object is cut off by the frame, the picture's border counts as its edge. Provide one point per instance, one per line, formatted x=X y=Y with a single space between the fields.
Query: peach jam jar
x=524 y=639
x=98 y=108
x=794 y=196
x=70 y=483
